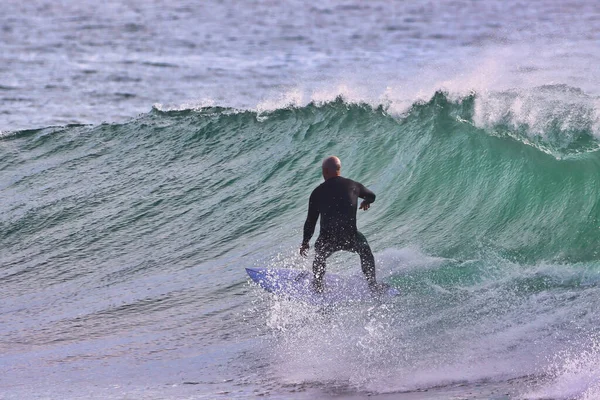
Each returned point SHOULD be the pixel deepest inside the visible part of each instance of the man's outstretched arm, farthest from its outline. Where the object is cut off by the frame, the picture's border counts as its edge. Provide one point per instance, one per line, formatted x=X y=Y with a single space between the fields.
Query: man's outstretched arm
x=367 y=195
x=309 y=224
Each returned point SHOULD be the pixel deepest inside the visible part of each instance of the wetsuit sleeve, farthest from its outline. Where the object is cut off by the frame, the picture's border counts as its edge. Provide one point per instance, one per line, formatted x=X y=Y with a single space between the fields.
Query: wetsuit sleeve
x=365 y=194
x=311 y=218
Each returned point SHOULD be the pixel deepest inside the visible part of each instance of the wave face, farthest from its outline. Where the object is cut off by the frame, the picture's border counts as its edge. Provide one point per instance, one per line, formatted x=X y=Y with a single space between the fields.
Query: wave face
x=486 y=217
x=450 y=175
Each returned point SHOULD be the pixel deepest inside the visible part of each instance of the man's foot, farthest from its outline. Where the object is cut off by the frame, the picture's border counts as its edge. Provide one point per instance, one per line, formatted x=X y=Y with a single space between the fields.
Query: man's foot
x=317 y=286
x=378 y=288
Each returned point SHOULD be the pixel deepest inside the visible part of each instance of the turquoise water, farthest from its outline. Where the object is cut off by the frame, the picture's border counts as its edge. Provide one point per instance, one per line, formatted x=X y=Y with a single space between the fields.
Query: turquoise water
x=123 y=243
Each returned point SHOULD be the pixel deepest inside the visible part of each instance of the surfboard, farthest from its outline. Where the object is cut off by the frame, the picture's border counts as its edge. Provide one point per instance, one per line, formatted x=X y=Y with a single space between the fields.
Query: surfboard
x=296 y=284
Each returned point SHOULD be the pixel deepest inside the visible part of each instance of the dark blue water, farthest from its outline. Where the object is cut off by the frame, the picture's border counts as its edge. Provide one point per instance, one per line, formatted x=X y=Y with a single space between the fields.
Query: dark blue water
x=86 y=62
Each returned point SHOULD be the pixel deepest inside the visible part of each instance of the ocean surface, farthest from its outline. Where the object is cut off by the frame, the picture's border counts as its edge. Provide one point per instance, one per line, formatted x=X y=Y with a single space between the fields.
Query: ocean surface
x=151 y=150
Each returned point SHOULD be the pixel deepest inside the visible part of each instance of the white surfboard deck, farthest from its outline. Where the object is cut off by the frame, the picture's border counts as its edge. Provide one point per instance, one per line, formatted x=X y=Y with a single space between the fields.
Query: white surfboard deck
x=296 y=285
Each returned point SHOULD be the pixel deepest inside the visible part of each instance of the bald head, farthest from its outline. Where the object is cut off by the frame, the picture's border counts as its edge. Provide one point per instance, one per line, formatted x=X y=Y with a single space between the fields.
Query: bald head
x=332 y=167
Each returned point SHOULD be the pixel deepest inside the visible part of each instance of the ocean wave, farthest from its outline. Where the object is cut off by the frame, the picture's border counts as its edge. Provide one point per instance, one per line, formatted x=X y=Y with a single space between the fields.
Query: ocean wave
x=488 y=228
x=453 y=175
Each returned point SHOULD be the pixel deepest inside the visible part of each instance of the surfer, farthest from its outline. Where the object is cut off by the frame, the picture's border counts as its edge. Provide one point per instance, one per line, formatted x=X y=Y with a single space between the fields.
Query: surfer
x=335 y=200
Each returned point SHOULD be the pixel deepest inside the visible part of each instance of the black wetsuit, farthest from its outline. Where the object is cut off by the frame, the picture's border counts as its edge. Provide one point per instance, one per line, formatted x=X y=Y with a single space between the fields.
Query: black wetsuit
x=335 y=200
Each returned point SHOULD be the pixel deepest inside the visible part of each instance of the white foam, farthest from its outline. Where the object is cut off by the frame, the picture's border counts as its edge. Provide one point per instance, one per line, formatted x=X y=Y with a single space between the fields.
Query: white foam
x=596 y=123
x=493 y=327
x=293 y=97
x=189 y=105
x=391 y=261
x=540 y=110
x=574 y=375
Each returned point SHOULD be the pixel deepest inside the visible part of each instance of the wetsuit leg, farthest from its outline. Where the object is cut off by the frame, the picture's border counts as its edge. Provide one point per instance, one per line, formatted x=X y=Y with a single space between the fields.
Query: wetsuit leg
x=323 y=249
x=367 y=261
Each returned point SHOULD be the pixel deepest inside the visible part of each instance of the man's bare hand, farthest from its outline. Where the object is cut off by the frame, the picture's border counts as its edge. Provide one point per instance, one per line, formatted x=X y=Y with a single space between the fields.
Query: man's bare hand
x=304 y=249
x=364 y=205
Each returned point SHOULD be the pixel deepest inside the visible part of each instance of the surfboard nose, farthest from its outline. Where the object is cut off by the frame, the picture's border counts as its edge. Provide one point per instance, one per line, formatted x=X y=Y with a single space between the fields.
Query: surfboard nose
x=263 y=278
x=256 y=274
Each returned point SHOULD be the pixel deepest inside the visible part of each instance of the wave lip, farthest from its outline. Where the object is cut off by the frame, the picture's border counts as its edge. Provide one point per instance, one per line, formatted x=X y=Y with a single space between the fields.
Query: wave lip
x=560 y=119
